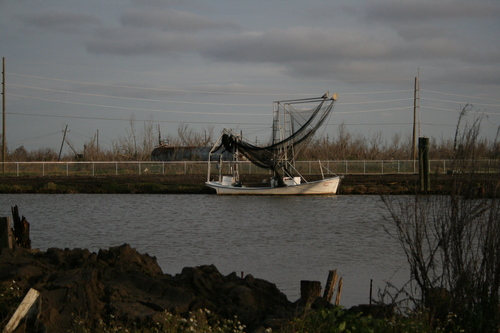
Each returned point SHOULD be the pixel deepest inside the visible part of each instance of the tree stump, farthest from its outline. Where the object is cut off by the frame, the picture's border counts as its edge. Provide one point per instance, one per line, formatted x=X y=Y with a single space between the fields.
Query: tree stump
x=21 y=229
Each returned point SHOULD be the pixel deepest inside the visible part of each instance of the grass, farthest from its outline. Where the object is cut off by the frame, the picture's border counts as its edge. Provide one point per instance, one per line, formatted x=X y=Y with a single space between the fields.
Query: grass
x=334 y=320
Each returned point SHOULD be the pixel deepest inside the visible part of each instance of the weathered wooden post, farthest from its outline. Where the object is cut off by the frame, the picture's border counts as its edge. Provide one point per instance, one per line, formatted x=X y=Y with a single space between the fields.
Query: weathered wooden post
x=21 y=229
x=309 y=290
x=28 y=311
x=330 y=285
x=339 y=293
x=423 y=159
x=6 y=237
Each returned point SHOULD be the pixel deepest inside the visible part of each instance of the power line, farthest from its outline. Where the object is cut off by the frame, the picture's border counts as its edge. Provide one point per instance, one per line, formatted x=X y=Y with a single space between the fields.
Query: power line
x=38 y=137
x=374 y=110
x=459 y=95
x=191 y=102
x=138 y=109
x=147 y=88
x=135 y=98
x=141 y=120
x=455 y=110
x=448 y=101
x=202 y=91
x=189 y=112
x=382 y=101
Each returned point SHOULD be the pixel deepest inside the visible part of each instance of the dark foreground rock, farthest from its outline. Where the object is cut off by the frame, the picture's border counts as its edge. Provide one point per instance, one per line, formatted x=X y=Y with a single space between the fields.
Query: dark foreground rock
x=122 y=284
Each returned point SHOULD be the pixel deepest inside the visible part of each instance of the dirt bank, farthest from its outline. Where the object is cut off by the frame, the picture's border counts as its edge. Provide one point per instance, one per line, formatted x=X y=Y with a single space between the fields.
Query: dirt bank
x=123 y=287
x=194 y=184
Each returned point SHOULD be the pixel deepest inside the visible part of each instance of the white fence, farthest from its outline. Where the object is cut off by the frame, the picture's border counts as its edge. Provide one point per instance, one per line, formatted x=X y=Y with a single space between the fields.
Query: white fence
x=18 y=169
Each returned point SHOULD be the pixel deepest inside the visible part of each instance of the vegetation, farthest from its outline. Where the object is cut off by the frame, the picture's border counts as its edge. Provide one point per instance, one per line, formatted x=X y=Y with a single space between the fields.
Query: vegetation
x=200 y=321
x=334 y=320
x=452 y=243
x=137 y=145
x=341 y=320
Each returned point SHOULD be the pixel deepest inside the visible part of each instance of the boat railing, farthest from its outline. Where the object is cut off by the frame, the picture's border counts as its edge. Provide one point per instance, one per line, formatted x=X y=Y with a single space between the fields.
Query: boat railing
x=341 y=167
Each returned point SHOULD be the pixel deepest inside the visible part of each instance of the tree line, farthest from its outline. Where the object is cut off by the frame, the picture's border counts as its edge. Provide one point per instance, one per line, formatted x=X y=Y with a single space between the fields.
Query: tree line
x=137 y=144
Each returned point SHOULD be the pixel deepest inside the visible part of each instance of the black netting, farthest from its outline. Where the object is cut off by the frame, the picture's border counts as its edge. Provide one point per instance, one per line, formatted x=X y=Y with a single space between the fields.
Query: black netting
x=292 y=126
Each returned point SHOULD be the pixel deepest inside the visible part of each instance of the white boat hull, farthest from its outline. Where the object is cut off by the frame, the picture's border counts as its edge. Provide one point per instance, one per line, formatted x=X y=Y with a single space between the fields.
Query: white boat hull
x=320 y=187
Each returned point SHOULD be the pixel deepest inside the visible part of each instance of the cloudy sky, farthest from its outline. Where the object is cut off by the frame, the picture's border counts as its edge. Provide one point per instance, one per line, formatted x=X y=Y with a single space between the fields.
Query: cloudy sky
x=107 y=66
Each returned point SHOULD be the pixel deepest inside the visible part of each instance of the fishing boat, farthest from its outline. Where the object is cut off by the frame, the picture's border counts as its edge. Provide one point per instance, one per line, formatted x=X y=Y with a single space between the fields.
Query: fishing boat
x=294 y=123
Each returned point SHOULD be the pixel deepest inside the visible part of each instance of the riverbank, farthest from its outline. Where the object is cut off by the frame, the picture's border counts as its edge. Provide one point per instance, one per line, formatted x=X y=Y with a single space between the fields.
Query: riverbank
x=194 y=184
x=125 y=288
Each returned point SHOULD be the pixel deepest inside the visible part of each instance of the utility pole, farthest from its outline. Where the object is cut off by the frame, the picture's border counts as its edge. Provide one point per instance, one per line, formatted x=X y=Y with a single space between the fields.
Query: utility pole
x=416 y=106
x=62 y=143
x=159 y=135
x=4 y=147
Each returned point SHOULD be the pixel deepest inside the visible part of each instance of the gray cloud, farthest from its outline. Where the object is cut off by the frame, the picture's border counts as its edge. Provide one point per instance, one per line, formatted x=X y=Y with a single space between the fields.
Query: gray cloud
x=299 y=51
x=295 y=44
x=418 y=11
x=172 y=20
x=155 y=32
x=60 y=21
x=132 y=41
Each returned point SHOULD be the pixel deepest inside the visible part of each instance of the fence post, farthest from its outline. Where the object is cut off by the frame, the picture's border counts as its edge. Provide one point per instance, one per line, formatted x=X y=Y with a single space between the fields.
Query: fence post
x=139 y=165
x=17 y=168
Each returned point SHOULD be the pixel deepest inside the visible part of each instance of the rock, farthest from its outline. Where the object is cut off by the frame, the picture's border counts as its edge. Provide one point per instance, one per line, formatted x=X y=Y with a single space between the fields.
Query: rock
x=123 y=284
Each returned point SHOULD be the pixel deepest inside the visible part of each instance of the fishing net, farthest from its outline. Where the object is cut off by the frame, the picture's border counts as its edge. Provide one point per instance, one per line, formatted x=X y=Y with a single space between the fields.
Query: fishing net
x=294 y=123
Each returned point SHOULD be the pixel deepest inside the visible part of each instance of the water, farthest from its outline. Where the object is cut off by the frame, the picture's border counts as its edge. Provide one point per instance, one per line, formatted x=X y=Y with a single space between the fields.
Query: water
x=279 y=239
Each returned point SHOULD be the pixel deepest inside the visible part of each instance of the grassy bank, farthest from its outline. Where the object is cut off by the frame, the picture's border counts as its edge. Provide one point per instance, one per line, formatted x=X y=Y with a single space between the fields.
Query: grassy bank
x=194 y=184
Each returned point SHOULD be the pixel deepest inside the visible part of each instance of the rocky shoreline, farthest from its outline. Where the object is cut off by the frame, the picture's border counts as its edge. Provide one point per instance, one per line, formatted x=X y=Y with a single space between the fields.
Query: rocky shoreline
x=124 y=286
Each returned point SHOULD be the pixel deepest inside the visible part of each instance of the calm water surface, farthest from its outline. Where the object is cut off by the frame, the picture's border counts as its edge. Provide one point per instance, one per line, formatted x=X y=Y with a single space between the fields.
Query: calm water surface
x=279 y=239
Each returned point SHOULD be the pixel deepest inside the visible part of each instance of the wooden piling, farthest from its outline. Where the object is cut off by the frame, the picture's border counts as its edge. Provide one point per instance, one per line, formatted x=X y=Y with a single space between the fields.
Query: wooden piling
x=5 y=233
x=309 y=290
x=339 y=293
x=371 y=290
x=424 y=166
x=330 y=285
x=21 y=229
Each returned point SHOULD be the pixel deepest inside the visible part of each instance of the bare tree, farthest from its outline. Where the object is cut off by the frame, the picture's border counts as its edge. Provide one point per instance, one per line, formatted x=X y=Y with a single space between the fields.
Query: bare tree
x=452 y=242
